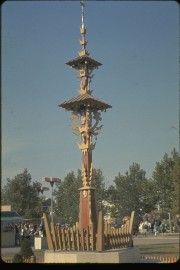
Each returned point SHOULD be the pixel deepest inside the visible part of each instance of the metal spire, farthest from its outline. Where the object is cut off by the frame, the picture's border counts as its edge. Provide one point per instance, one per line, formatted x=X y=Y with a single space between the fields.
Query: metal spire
x=82 y=6
x=83 y=41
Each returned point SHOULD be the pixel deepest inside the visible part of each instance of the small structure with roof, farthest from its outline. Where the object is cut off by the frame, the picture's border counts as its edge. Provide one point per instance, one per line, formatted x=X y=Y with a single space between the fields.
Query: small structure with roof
x=8 y=220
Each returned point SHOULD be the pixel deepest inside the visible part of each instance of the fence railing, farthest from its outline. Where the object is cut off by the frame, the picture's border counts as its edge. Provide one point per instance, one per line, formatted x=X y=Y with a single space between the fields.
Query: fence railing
x=105 y=238
x=164 y=259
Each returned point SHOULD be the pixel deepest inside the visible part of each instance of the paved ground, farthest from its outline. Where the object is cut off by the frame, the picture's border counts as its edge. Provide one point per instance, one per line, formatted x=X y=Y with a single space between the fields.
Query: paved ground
x=8 y=253
x=159 y=239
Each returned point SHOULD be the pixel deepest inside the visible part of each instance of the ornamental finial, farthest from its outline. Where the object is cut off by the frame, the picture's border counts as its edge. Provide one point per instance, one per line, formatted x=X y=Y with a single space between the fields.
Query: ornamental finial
x=82 y=6
x=83 y=40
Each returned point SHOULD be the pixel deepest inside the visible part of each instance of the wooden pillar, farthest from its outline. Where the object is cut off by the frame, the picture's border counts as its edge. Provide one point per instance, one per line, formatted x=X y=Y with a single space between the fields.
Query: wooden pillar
x=88 y=208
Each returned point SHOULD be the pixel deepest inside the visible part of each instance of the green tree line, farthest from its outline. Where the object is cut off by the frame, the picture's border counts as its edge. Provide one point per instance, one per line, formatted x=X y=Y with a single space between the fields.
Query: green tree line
x=132 y=191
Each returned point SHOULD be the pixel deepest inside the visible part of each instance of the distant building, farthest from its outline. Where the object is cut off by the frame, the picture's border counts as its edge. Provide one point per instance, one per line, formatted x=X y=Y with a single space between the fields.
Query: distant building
x=8 y=220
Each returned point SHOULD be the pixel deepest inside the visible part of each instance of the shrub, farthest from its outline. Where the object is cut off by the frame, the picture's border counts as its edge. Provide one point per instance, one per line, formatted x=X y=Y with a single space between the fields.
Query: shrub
x=26 y=250
x=17 y=258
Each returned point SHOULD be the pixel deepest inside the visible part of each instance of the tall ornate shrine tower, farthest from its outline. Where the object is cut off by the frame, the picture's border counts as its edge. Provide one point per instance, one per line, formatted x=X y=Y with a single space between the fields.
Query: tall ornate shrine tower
x=86 y=114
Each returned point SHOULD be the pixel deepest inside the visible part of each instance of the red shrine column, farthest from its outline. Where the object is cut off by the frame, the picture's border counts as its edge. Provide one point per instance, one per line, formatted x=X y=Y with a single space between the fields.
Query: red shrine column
x=88 y=211
x=88 y=207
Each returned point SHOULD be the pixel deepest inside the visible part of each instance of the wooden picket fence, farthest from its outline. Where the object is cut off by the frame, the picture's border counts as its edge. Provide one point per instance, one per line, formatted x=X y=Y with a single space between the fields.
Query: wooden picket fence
x=31 y=259
x=163 y=259
x=106 y=238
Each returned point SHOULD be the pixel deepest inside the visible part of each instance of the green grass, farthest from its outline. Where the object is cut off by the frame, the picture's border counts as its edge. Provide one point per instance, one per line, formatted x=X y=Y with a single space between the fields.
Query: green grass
x=168 y=250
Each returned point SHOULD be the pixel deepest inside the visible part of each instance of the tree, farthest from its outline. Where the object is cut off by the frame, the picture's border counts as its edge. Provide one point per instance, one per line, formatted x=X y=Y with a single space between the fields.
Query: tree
x=21 y=195
x=99 y=185
x=25 y=253
x=67 y=199
x=131 y=193
x=17 y=258
x=166 y=179
x=26 y=249
x=176 y=183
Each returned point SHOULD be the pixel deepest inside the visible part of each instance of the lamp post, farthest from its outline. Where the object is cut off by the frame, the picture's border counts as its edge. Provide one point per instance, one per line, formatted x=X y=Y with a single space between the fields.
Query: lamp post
x=51 y=180
x=39 y=187
x=42 y=189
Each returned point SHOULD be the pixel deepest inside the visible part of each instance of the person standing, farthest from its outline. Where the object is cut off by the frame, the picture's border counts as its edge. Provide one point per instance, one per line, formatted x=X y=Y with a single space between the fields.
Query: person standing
x=17 y=235
x=27 y=232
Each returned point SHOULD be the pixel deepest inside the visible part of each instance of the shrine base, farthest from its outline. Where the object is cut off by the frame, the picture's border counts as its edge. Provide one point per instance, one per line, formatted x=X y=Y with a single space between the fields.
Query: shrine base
x=124 y=255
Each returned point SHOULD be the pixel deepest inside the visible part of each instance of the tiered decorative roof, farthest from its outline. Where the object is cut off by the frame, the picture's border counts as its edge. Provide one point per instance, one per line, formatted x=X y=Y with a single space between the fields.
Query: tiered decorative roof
x=84 y=65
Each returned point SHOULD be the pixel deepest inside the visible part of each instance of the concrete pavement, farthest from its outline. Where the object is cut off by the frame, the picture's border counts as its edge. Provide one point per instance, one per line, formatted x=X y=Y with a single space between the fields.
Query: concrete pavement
x=138 y=240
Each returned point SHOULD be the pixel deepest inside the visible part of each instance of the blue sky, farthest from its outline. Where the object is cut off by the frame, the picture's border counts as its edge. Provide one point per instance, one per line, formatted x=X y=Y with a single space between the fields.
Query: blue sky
x=137 y=43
